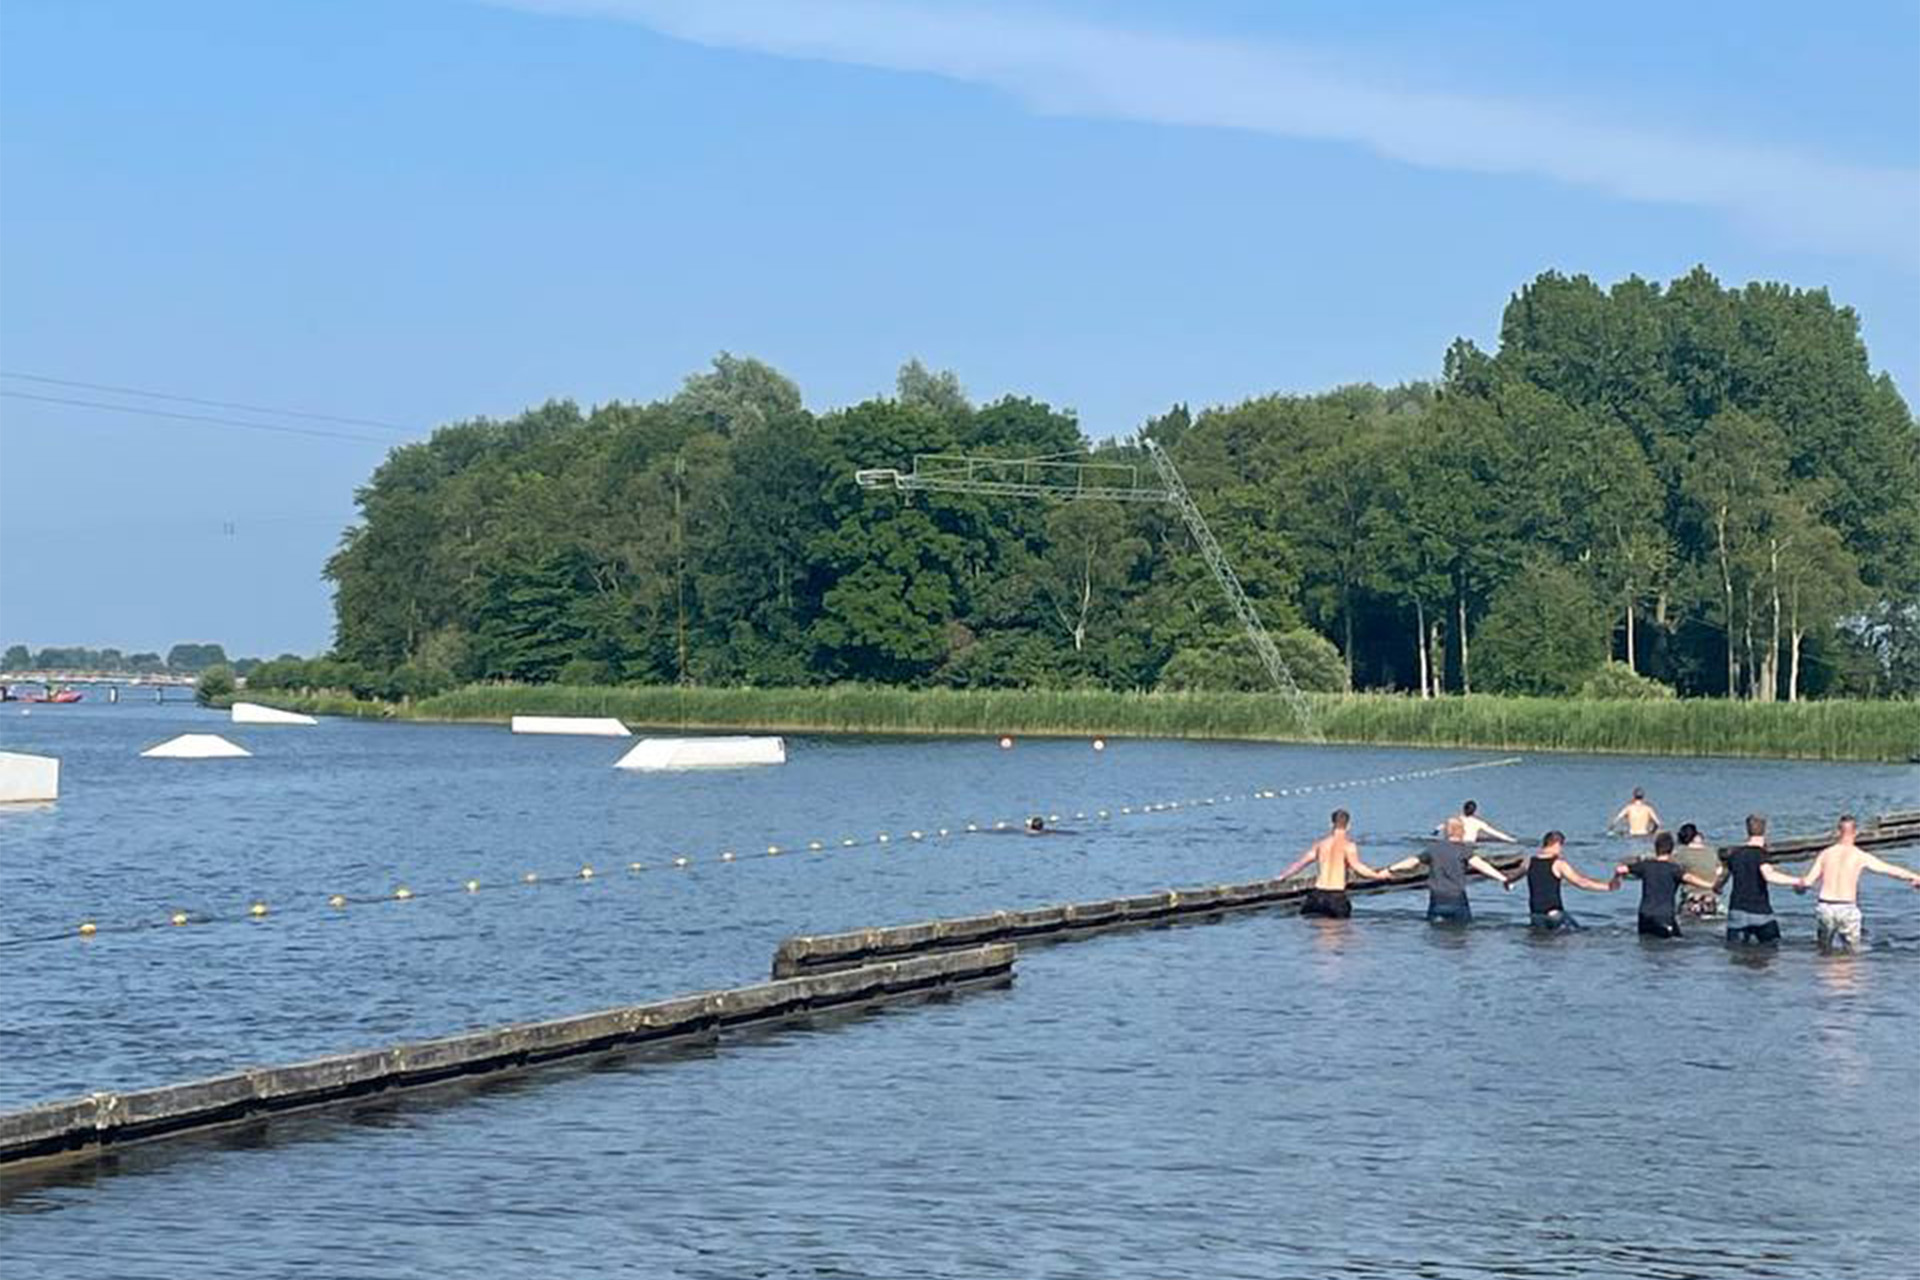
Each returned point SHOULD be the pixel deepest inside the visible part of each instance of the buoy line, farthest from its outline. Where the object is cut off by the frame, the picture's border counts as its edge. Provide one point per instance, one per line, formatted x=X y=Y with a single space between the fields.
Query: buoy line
x=259 y=909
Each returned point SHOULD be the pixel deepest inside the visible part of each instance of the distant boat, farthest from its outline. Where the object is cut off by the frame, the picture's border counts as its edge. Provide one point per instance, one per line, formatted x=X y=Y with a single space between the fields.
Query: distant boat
x=52 y=697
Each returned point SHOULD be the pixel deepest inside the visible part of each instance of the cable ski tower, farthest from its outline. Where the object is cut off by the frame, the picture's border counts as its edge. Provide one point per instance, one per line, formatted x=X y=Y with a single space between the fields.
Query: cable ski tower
x=1050 y=478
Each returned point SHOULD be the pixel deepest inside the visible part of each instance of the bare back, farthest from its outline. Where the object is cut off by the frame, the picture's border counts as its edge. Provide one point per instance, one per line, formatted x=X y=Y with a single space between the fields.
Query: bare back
x=1331 y=853
x=1838 y=869
x=1640 y=818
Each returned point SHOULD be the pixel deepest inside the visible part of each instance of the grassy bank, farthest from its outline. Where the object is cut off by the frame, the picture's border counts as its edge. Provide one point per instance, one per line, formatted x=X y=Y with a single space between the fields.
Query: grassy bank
x=1805 y=731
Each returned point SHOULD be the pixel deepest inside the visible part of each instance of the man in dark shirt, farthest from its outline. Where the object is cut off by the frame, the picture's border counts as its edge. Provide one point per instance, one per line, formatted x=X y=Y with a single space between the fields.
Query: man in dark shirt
x=1447 y=862
x=1749 y=909
x=1544 y=873
x=1660 y=879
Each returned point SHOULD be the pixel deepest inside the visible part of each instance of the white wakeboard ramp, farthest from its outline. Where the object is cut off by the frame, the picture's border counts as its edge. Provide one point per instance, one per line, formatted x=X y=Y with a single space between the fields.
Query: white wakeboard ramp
x=25 y=779
x=589 y=726
x=196 y=746
x=661 y=754
x=254 y=713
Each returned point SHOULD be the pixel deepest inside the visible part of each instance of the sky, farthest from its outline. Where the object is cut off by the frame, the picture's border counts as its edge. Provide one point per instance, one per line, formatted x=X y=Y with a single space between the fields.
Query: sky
x=383 y=215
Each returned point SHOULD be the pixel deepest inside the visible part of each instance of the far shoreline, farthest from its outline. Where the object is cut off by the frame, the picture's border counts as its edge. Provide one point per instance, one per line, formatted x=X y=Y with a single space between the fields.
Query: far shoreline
x=1856 y=731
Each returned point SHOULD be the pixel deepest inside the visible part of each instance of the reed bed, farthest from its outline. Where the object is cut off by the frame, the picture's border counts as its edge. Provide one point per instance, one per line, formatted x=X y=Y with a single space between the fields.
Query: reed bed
x=1884 y=731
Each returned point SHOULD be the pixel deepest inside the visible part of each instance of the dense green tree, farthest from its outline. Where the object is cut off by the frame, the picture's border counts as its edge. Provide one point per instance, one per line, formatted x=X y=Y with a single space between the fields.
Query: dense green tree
x=192 y=658
x=1714 y=473
x=1545 y=633
x=941 y=392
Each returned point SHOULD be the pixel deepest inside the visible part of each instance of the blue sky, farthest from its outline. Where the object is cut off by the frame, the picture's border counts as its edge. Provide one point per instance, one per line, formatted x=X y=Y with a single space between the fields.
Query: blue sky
x=411 y=211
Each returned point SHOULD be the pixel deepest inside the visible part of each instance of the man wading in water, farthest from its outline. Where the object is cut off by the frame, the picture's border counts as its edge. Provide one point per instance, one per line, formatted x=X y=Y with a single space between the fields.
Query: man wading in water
x=1545 y=870
x=1660 y=880
x=1473 y=827
x=1640 y=817
x=1749 y=909
x=1335 y=852
x=1837 y=872
x=1696 y=855
x=1447 y=862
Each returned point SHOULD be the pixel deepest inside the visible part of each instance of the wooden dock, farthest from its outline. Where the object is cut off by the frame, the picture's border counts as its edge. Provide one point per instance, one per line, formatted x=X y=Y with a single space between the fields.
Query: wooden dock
x=81 y=1128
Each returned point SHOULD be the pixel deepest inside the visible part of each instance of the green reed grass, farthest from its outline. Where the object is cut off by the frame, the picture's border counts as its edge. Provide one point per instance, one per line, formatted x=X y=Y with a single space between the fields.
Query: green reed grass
x=1682 y=727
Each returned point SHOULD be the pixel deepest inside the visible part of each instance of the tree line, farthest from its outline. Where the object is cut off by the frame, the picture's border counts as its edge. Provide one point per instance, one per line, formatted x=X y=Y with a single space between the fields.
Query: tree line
x=181 y=659
x=1643 y=489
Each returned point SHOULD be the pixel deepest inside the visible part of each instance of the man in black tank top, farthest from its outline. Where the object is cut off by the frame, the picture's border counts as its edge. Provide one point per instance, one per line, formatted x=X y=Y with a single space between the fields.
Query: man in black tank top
x=1660 y=879
x=1543 y=874
x=1749 y=907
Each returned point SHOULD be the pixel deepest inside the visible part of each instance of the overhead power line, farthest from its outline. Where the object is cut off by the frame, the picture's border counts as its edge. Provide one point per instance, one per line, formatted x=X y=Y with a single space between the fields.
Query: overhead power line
x=278 y=428
x=211 y=404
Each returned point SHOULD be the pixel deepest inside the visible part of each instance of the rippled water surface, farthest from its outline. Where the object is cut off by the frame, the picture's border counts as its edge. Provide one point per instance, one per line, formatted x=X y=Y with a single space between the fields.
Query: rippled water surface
x=1264 y=1097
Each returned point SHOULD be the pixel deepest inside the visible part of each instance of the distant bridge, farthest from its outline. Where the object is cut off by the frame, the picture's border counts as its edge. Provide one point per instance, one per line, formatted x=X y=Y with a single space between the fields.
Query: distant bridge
x=126 y=679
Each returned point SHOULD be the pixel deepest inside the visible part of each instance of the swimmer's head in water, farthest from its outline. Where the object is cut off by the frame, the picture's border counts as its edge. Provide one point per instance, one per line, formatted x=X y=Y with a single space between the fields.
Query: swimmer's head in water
x=1036 y=823
x=1688 y=833
x=1470 y=808
x=1553 y=841
x=1340 y=819
x=1456 y=830
x=1639 y=793
x=1663 y=844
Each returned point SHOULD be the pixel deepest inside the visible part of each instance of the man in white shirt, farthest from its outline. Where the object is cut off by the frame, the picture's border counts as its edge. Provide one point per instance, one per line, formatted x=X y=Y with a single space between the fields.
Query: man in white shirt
x=1474 y=827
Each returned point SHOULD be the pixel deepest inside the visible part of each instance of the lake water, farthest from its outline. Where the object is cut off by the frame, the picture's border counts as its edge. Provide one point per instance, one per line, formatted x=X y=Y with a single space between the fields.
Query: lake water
x=1264 y=1097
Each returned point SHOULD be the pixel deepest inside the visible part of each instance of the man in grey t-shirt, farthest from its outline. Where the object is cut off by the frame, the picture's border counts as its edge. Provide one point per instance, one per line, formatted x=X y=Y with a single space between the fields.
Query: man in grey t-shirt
x=1447 y=862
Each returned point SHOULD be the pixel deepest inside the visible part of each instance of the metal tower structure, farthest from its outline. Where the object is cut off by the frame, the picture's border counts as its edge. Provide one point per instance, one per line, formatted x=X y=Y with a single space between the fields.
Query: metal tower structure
x=1060 y=481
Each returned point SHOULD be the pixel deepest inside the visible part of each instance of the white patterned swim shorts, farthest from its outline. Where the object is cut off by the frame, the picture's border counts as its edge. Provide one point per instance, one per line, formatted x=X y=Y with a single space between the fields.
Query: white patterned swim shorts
x=1839 y=923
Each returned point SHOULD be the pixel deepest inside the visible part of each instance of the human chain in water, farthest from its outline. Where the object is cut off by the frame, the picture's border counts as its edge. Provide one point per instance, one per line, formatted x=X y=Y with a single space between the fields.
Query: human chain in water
x=1673 y=879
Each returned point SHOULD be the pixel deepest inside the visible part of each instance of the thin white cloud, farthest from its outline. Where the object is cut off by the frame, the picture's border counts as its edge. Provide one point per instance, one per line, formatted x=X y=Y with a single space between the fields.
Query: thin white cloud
x=1069 y=67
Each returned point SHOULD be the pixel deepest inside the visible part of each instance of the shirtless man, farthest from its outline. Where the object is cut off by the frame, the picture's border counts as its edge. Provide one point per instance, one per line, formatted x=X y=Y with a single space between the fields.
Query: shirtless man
x=1837 y=872
x=1543 y=873
x=1336 y=853
x=1447 y=862
x=1641 y=818
x=1473 y=827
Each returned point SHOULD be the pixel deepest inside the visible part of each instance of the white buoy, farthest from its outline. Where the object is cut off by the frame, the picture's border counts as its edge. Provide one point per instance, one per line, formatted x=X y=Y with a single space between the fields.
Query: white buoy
x=26 y=779
x=254 y=713
x=196 y=746
x=585 y=726
x=660 y=754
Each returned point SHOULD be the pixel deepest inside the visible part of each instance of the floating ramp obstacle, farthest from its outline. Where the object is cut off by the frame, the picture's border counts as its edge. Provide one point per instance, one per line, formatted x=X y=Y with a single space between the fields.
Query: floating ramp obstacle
x=196 y=746
x=588 y=726
x=25 y=779
x=254 y=713
x=658 y=754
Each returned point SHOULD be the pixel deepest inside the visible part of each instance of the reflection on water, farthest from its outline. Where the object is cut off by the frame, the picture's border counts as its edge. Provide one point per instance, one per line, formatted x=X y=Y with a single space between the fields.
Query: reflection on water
x=1269 y=1096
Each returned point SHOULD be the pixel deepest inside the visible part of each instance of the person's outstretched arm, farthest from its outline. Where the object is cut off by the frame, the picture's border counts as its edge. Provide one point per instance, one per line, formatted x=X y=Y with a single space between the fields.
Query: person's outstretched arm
x=1361 y=868
x=1886 y=868
x=1298 y=863
x=1571 y=874
x=1410 y=863
x=1699 y=881
x=1774 y=875
x=1814 y=872
x=1488 y=829
x=1487 y=869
